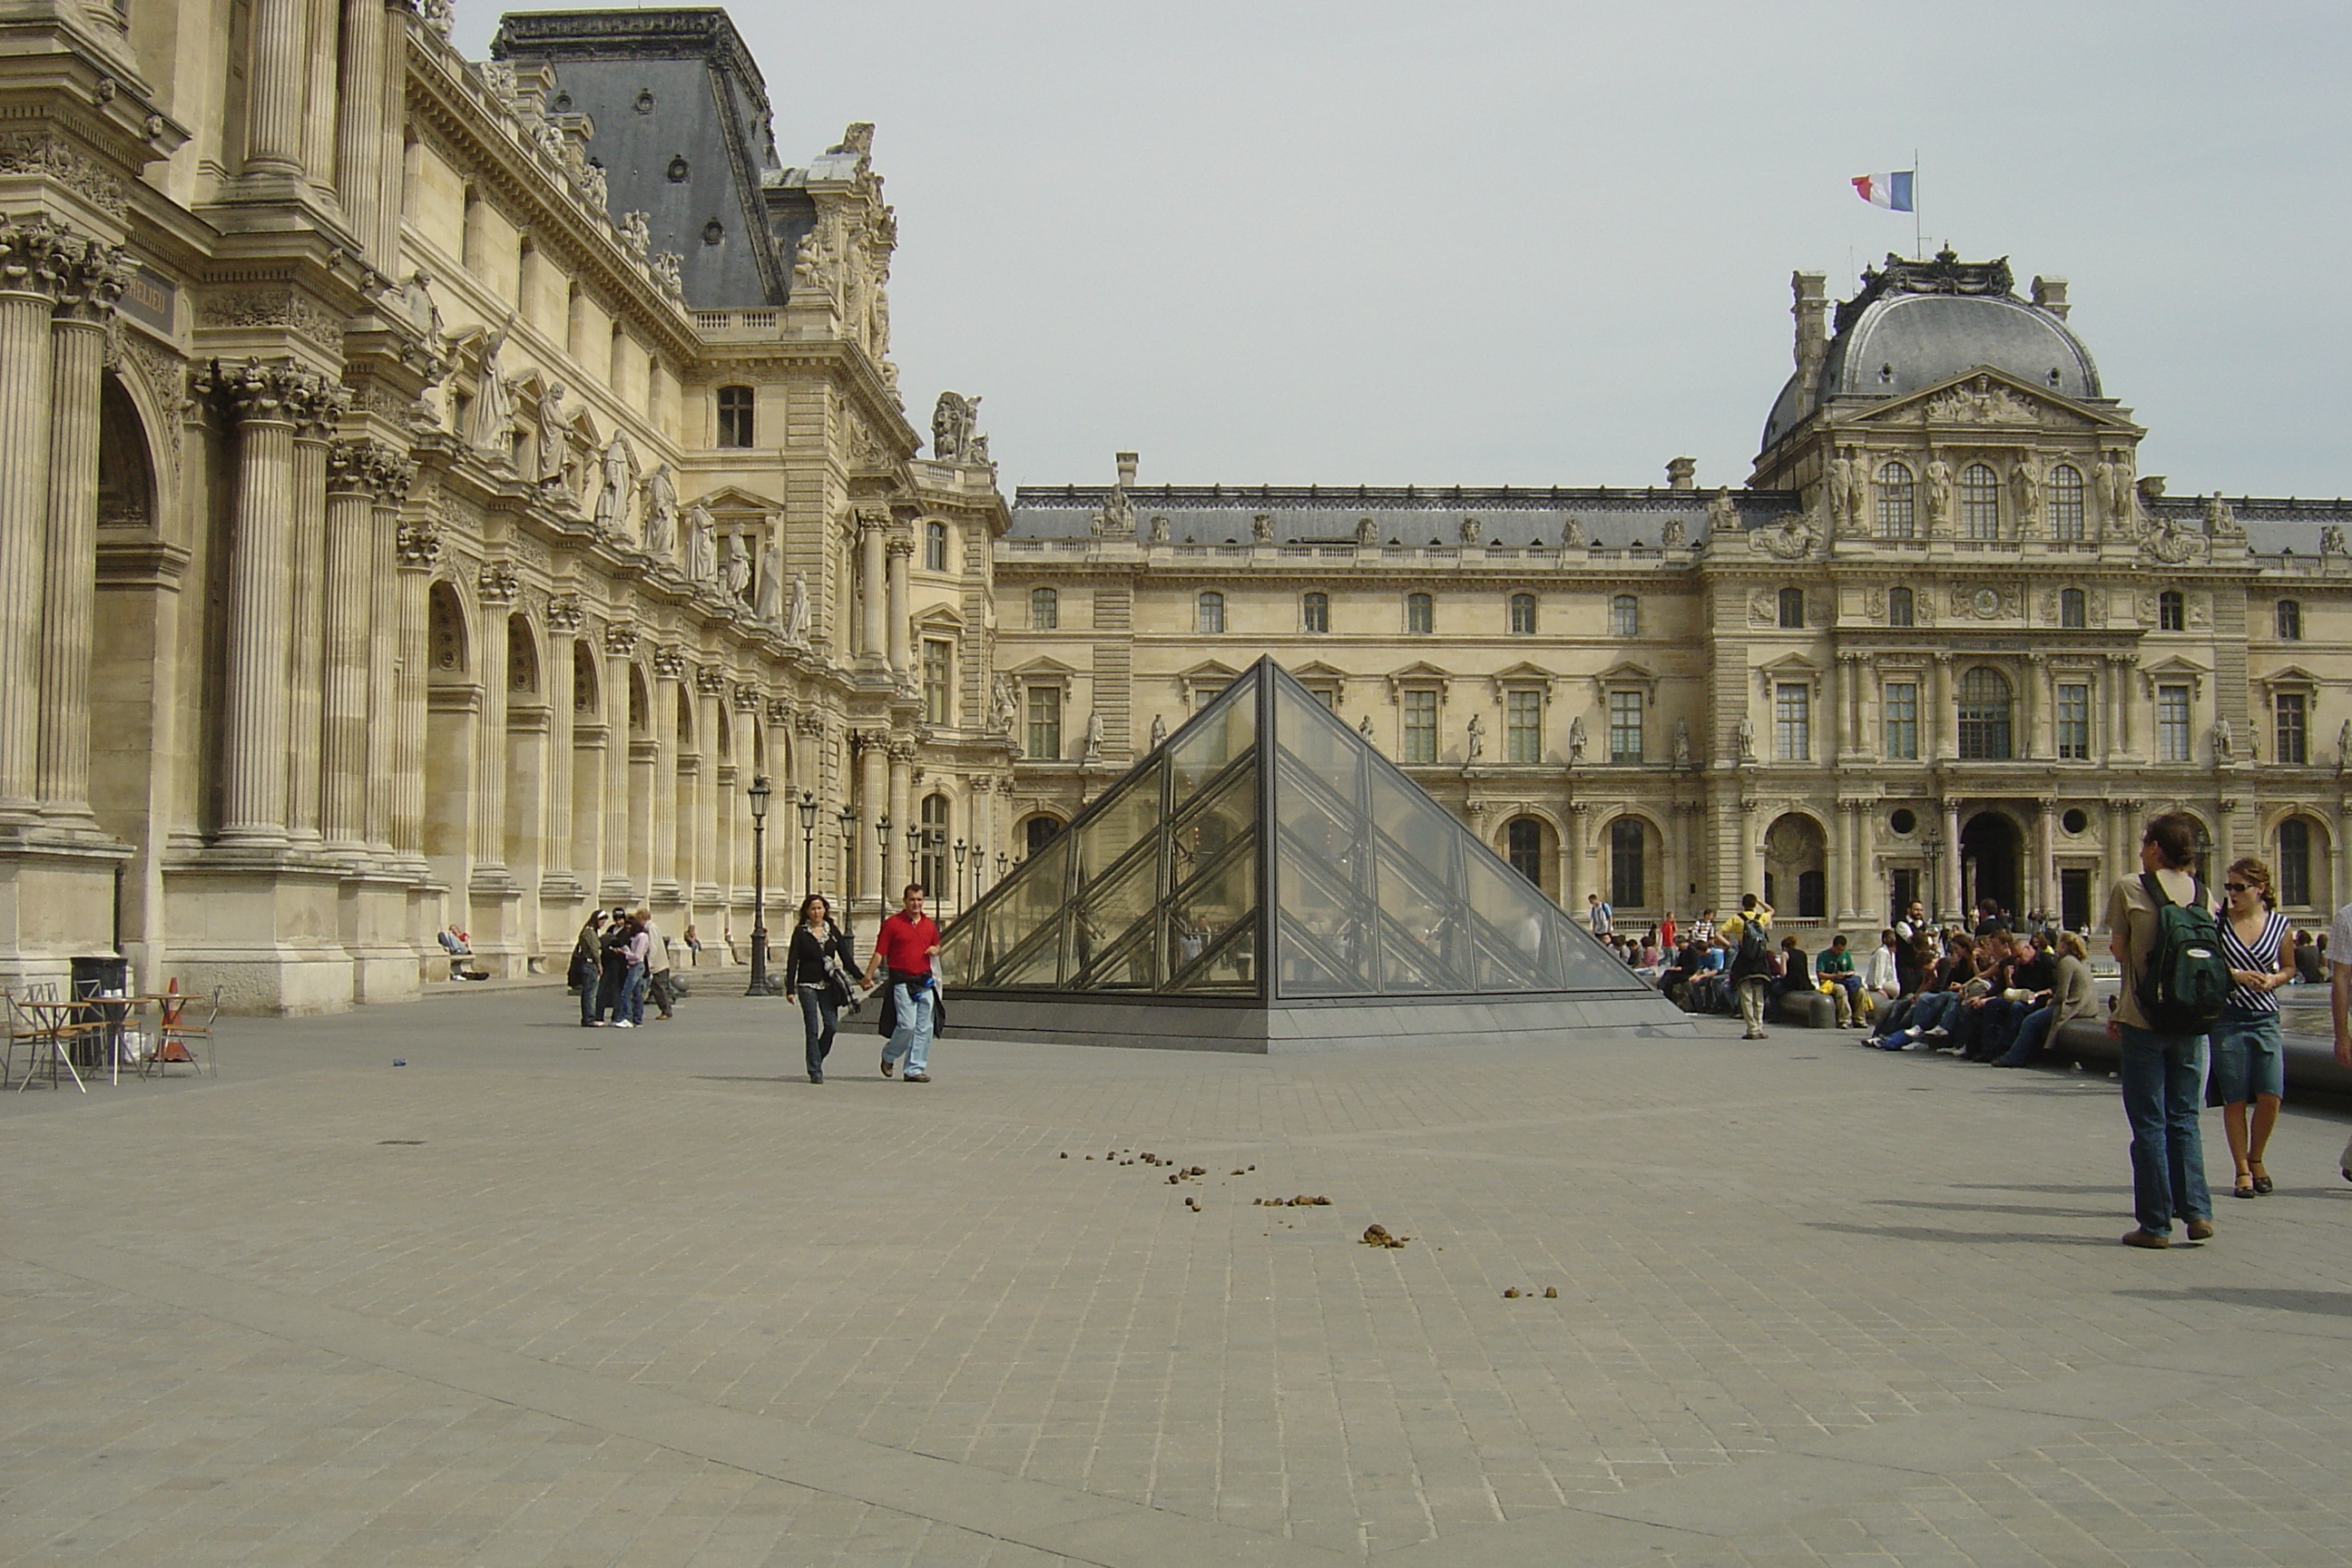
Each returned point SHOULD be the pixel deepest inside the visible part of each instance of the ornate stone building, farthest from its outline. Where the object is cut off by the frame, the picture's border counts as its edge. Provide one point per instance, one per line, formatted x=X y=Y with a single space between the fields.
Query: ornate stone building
x=435 y=490
x=1946 y=642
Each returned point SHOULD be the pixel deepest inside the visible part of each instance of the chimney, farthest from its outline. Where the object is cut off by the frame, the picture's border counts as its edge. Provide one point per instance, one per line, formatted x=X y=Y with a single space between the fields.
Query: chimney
x=2050 y=293
x=1126 y=470
x=1811 y=310
x=1682 y=473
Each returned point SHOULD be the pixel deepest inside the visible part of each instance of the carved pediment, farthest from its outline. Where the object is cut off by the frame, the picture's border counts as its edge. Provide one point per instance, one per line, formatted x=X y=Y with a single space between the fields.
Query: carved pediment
x=1992 y=400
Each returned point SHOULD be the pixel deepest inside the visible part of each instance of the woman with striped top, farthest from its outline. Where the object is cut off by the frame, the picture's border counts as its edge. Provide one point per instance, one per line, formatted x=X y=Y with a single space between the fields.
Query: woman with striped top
x=2249 y=1062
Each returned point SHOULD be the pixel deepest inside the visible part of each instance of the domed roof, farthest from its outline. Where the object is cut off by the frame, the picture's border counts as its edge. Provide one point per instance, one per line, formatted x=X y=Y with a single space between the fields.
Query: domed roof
x=1916 y=323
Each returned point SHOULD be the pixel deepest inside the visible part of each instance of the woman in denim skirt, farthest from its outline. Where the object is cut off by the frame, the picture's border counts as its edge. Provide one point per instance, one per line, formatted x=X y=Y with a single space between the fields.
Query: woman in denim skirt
x=2249 y=1062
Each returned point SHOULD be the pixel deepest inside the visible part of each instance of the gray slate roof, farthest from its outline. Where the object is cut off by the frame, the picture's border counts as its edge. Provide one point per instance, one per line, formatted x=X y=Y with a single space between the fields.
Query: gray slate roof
x=1511 y=516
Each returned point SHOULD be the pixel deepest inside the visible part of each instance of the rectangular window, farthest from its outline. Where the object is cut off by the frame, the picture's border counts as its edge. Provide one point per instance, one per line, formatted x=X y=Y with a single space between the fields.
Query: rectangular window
x=1421 y=726
x=939 y=663
x=1624 y=726
x=2073 y=723
x=1523 y=723
x=2172 y=723
x=1326 y=696
x=2293 y=710
x=2074 y=609
x=1792 y=720
x=1902 y=705
x=1045 y=722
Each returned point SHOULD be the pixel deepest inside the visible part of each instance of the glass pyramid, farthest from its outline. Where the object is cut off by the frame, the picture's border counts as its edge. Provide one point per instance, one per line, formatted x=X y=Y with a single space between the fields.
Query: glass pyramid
x=1266 y=852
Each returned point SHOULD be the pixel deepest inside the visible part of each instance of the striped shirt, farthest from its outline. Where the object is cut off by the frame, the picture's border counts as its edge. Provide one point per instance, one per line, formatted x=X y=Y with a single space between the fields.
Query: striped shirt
x=2262 y=956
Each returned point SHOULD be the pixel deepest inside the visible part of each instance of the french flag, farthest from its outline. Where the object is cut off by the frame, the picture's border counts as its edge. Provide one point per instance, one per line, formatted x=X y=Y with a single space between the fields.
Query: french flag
x=1893 y=190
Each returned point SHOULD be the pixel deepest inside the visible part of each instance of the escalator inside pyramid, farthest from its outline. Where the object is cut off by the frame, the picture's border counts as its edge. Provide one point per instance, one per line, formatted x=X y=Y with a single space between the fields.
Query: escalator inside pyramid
x=1266 y=879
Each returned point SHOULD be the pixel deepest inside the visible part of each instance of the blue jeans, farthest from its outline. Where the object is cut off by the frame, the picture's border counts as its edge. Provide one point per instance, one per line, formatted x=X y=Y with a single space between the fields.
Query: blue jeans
x=912 y=1038
x=590 y=983
x=820 y=1017
x=2030 y=1035
x=634 y=989
x=2161 y=1075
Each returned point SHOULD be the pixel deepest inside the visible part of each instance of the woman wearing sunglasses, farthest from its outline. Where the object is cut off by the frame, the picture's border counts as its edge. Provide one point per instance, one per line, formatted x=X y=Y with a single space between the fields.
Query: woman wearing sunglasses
x=2249 y=1062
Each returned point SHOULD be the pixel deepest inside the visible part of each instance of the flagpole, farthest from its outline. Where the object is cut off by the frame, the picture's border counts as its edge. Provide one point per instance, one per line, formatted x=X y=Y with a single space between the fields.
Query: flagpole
x=1918 y=246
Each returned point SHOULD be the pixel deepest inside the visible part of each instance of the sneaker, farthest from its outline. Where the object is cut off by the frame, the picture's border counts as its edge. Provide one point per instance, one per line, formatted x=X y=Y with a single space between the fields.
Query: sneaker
x=623 y=1024
x=1940 y=1033
x=593 y=1023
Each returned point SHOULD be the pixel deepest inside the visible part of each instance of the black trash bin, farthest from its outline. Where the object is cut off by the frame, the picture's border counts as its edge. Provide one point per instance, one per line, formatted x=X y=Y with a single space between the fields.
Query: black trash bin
x=95 y=974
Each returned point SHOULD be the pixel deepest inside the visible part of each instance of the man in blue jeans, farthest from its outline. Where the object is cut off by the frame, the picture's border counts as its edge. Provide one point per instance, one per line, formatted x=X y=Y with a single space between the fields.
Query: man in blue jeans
x=2161 y=1073
x=903 y=950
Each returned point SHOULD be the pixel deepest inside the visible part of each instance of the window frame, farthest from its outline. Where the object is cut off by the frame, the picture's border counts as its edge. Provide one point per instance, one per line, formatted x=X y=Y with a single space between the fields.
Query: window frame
x=738 y=427
x=1523 y=724
x=1418 y=741
x=1628 y=863
x=1627 y=741
x=1041 y=712
x=1981 y=731
x=1050 y=601
x=935 y=545
x=2294 y=878
x=1527 y=847
x=1786 y=601
x=2176 y=736
x=1520 y=625
x=1902 y=608
x=2291 y=729
x=1315 y=614
x=2064 y=493
x=1978 y=490
x=1208 y=606
x=2073 y=610
x=2172 y=611
x=1897 y=496
x=1624 y=616
x=2286 y=620
x=1419 y=615
x=937 y=667
x=1792 y=721
x=2071 y=733
x=1899 y=719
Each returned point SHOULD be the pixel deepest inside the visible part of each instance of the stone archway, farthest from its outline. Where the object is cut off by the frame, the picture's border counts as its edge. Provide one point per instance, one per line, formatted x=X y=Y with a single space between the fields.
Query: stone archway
x=1992 y=862
x=1796 y=867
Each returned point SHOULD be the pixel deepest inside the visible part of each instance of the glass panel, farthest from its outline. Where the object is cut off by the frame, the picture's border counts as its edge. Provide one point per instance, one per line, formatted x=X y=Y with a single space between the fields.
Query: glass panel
x=1519 y=929
x=1323 y=910
x=1422 y=935
x=1227 y=812
x=1328 y=749
x=1407 y=967
x=1112 y=910
x=1120 y=820
x=1131 y=965
x=1316 y=963
x=1424 y=830
x=1215 y=736
x=1232 y=965
x=1038 y=961
x=1034 y=900
x=1222 y=897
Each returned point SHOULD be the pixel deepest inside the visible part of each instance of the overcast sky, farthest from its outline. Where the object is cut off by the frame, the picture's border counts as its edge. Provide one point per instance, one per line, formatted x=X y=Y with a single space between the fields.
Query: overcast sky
x=1296 y=241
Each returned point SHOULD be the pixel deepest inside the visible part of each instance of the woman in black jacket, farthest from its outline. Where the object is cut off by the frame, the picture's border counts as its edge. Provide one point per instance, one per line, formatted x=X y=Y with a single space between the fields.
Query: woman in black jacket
x=818 y=969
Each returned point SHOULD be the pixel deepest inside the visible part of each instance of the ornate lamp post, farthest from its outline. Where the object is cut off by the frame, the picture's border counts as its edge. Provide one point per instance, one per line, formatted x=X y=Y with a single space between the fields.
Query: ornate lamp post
x=2204 y=852
x=882 y=832
x=759 y=792
x=1003 y=860
x=848 y=821
x=959 y=863
x=914 y=854
x=808 y=842
x=1932 y=846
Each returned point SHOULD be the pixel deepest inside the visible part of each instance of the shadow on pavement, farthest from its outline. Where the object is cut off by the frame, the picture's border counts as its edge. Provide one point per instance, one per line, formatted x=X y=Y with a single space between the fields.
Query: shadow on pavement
x=2323 y=1303
x=1967 y=1237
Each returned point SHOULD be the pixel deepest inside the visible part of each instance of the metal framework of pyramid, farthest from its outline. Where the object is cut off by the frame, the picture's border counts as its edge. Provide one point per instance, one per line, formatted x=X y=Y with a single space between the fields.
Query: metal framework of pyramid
x=1266 y=879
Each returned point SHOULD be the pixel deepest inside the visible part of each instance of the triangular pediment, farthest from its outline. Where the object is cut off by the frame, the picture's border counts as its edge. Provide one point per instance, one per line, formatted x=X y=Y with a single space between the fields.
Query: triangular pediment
x=1421 y=670
x=735 y=499
x=1044 y=664
x=1990 y=399
x=1267 y=851
x=1209 y=669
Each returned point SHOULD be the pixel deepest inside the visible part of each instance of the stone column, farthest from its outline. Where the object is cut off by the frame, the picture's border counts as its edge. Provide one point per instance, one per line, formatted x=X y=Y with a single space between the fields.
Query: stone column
x=2127 y=665
x=1940 y=720
x=620 y=650
x=670 y=677
x=2045 y=856
x=495 y=587
x=873 y=535
x=710 y=870
x=277 y=74
x=87 y=288
x=558 y=870
x=355 y=473
x=1573 y=872
x=307 y=662
x=1948 y=872
x=902 y=629
x=359 y=130
x=2041 y=707
x=323 y=43
x=1850 y=681
x=29 y=256
x=1864 y=903
x=873 y=804
x=419 y=554
x=386 y=583
x=266 y=402
x=898 y=868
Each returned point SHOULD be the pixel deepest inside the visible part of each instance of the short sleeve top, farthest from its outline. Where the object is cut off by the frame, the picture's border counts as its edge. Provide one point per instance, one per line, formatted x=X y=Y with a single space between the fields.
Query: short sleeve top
x=2132 y=914
x=2260 y=955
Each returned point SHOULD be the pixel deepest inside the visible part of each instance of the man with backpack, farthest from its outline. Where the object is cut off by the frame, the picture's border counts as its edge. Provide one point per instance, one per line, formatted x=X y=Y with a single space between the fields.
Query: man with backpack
x=1749 y=936
x=2175 y=980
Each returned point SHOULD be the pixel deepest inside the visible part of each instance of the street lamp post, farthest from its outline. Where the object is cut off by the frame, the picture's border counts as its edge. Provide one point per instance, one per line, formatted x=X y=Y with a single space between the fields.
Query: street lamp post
x=1933 y=846
x=808 y=842
x=914 y=853
x=958 y=859
x=848 y=821
x=882 y=832
x=759 y=792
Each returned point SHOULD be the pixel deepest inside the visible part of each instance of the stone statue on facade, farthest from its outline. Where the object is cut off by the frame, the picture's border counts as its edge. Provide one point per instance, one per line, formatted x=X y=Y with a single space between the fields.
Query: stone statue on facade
x=1114 y=516
x=1939 y=495
x=2331 y=539
x=1571 y=534
x=1476 y=747
x=2344 y=746
x=660 y=497
x=613 y=495
x=2224 y=742
x=1743 y=739
x=1159 y=534
x=701 y=545
x=493 y=410
x=796 y=618
x=2120 y=496
x=552 y=441
x=2025 y=495
x=1469 y=531
x=1673 y=535
x=1577 y=740
x=735 y=568
x=1158 y=731
x=636 y=235
x=1262 y=529
x=416 y=297
x=768 y=607
x=1364 y=727
x=1722 y=515
x=1682 y=744
x=1094 y=736
x=1840 y=478
x=2221 y=519
x=1007 y=710
x=953 y=417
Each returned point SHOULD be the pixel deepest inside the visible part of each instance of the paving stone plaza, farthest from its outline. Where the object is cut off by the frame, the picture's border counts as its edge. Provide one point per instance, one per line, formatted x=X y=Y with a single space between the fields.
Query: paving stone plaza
x=551 y=1297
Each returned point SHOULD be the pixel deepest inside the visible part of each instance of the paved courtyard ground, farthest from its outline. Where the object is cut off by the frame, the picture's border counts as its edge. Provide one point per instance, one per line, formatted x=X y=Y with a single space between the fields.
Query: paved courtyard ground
x=549 y=1296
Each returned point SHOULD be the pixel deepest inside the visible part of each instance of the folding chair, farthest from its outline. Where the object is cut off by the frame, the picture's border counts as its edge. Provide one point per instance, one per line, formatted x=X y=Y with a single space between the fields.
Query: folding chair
x=47 y=1035
x=180 y=1032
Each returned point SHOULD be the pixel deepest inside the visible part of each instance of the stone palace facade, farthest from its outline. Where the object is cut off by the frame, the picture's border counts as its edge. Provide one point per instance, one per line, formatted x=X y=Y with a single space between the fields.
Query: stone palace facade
x=435 y=490
x=1945 y=643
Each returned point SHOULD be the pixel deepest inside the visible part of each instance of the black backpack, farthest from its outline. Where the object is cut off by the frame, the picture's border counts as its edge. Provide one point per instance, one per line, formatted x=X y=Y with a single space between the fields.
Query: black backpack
x=2187 y=979
x=1755 y=945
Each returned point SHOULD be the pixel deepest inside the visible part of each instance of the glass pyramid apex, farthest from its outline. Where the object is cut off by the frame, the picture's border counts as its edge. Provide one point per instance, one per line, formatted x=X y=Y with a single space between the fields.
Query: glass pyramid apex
x=1266 y=852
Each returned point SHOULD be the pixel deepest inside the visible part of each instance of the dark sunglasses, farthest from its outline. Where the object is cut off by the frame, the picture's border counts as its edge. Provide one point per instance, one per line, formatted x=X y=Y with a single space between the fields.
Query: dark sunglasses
x=2236 y=887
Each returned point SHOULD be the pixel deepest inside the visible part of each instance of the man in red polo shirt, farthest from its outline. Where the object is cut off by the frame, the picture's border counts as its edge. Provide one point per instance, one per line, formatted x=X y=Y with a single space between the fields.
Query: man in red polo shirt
x=902 y=957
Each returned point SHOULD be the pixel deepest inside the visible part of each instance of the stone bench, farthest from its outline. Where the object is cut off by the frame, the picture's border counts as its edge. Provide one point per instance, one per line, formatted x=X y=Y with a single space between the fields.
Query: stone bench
x=1805 y=1009
x=2311 y=1070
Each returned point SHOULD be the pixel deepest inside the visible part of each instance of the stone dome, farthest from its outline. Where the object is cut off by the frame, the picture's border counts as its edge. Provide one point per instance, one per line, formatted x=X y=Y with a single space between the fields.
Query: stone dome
x=1916 y=323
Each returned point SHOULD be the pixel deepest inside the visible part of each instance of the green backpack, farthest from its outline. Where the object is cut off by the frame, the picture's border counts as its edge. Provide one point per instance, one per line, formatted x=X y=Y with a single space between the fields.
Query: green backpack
x=2187 y=979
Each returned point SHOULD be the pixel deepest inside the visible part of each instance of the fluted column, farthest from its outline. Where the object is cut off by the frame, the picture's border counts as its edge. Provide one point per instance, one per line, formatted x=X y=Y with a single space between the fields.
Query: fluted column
x=710 y=871
x=663 y=857
x=898 y=870
x=386 y=583
x=902 y=629
x=620 y=651
x=277 y=74
x=360 y=125
x=29 y=254
x=307 y=630
x=2127 y=669
x=419 y=553
x=88 y=288
x=488 y=838
x=1947 y=870
x=873 y=805
x=357 y=472
x=266 y=402
x=322 y=30
x=1941 y=717
x=2045 y=857
x=558 y=865
x=873 y=534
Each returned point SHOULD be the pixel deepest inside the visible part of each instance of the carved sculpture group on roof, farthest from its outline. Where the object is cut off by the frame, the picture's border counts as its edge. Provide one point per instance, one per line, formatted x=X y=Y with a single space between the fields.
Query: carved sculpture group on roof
x=2221 y=519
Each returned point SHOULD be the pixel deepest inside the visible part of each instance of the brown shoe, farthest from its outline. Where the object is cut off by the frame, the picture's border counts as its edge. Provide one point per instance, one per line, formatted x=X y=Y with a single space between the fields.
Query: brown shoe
x=2201 y=1230
x=919 y=1077
x=888 y=1066
x=2147 y=1238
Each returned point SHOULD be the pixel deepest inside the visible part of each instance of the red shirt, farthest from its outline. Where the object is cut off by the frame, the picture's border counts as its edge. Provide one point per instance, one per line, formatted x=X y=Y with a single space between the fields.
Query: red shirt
x=905 y=944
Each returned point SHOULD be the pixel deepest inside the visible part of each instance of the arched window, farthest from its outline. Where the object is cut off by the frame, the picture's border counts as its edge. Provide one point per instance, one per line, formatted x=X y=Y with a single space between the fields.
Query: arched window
x=931 y=848
x=2074 y=609
x=583 y=678
x=1523 y=844
x=735 y=429
x=522 y=657
x=2171 y=611
x=446 y=625
x=1210 y=615
x=935 y=546
x=684 y=703
x=1039 y=832
x=1044 y=609
x=1900 y=608
x=639 y=703
x=1984 y=715
x=1896 y=515
x=1625 y=878
x=2288 y=617
x=2295 y=862
x=1523 y=615
x=1979 y=502
x=1420 y=614
x=1624 y=617
x=2066 y=502
x=1315 y=612
x=1792 y=609
x=469 y=241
